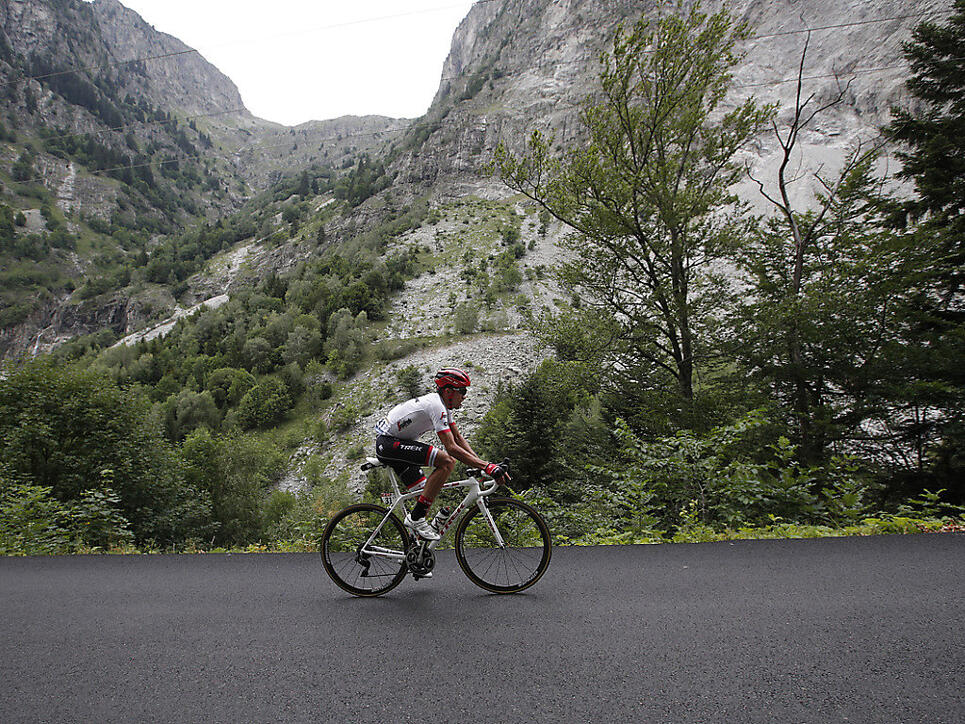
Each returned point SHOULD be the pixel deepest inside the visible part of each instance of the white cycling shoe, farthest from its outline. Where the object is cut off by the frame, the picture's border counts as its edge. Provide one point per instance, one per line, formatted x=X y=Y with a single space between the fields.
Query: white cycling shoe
x=421 y=528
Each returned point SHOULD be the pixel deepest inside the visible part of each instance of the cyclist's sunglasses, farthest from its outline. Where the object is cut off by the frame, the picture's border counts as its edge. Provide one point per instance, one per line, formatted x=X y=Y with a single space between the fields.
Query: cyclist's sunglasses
x=461 y=390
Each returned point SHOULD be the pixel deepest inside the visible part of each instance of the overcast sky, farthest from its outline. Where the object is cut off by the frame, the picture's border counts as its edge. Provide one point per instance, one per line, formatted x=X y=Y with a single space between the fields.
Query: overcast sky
x=301 y=60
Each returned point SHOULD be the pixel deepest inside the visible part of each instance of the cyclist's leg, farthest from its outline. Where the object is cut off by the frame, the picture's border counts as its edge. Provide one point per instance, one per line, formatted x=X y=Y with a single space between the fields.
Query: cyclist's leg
x=444 y=465
x=406 y=457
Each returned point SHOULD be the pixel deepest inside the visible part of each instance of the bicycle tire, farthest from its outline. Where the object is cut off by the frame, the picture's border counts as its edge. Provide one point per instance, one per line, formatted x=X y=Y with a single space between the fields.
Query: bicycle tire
x=519 y=564
x=340 y=550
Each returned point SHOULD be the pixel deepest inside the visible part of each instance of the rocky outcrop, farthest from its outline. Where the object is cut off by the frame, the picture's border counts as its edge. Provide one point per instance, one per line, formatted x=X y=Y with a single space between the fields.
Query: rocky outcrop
x=183 y=79
x=266 y=151
x=516 y=65
x=60 y=320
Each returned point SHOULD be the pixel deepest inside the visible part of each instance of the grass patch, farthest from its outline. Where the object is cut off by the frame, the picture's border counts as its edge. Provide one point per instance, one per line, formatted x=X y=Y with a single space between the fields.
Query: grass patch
x=324 y=499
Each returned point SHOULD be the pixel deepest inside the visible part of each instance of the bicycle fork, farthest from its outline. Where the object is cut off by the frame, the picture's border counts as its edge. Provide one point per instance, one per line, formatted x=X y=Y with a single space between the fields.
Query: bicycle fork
x=484 y=509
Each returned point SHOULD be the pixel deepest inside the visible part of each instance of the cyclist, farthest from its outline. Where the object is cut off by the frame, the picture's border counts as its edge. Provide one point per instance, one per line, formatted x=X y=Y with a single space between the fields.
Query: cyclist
x=397 y=444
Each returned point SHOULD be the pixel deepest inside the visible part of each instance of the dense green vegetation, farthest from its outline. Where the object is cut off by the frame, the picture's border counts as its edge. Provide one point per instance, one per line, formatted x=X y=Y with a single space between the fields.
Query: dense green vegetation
x=153 y=178
x=230 y=392
x=831 y=390
x=824 y=398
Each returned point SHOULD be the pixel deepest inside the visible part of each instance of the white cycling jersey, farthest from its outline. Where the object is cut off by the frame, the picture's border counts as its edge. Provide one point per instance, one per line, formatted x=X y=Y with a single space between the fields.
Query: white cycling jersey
x=414 y=418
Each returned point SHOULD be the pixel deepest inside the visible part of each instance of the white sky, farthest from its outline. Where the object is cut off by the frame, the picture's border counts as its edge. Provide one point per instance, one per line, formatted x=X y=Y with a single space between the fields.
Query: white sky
x=300 y=60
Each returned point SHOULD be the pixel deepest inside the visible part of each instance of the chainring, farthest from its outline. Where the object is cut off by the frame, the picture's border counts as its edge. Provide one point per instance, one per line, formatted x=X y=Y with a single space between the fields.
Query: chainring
x=420 y=559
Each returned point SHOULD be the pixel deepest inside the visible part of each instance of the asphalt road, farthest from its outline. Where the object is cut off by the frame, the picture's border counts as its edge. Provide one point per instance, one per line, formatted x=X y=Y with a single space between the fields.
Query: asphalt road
x=833 y=630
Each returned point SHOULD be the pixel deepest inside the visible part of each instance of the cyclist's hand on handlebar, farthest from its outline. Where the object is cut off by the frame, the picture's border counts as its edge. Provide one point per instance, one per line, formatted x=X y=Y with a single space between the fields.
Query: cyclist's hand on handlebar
x=498 y=472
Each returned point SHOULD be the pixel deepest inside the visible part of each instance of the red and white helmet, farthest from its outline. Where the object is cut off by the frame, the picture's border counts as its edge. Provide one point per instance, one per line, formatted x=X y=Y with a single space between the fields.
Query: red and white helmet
x=451 y=377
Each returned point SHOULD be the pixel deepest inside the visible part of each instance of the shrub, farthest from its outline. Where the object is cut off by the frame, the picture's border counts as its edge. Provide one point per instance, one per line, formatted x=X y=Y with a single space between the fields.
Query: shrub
x=228 y=385
x=61 y=428
x=32 y=521
x=466 y=318
x=234 y=472
x=730 y=476
x=189 y=410
x=265 y=404
x=410 y=382
x=96 y=519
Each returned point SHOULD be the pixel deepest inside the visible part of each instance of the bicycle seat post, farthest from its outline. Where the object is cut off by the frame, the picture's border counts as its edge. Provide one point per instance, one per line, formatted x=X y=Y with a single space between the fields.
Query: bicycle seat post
x=394 y=481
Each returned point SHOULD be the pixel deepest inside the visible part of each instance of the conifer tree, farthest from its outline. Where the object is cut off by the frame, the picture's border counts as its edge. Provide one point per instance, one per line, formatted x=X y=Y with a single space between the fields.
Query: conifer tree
x=931 y=138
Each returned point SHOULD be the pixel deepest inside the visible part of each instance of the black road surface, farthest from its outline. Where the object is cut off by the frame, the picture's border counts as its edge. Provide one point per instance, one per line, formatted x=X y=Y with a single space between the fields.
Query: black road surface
x=832 y=630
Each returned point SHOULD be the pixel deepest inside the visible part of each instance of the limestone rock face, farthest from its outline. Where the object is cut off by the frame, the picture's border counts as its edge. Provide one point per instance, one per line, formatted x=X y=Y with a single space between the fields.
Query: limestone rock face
x=182 y=80
x=518 y=65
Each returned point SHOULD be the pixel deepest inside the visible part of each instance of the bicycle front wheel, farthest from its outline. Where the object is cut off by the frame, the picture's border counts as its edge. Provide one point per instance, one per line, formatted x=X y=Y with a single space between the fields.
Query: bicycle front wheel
x=363 y=555
x=521 y=559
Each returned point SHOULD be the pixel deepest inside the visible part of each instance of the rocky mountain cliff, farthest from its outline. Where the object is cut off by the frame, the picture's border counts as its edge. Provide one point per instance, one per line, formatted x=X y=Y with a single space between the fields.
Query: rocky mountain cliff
x=175 y=76
x=114 y=139
x=516 y=65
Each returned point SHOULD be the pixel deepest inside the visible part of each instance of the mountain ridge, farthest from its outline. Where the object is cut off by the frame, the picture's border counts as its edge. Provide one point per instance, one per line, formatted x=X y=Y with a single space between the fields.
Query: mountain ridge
x=513 y=66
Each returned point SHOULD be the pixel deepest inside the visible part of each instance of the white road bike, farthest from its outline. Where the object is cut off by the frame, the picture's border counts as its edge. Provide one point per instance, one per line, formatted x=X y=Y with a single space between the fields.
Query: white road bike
x=502 y=544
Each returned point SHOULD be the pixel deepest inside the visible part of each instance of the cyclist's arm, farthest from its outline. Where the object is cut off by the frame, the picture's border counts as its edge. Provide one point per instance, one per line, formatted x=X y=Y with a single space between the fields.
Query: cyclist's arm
x=460 y=440
x=463 y=454
x=460 y=453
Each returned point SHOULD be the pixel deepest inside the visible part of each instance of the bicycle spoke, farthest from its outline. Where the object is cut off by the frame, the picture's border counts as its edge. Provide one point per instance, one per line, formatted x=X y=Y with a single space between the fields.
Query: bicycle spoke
x=354 y=549
x=516 y=564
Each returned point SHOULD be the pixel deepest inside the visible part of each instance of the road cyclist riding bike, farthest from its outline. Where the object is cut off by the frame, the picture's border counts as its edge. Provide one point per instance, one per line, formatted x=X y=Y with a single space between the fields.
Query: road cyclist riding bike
x=397 y=444
x=501 y=543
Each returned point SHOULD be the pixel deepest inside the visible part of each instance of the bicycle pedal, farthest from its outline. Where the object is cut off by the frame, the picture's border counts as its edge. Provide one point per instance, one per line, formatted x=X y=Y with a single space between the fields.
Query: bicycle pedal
x=417 y=576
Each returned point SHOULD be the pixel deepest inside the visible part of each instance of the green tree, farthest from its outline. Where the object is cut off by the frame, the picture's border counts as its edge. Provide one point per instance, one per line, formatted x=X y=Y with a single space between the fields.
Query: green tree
x=302 y=345
x=820 y=324
x=228 y=385
x=32 y=521
x=648 y=194
x=233 y=472
x=931 y=138
x=466 y=318
x=265 y=404
x=259 y=355
x=345 y=345
x=932 y=144
x=72 y=432
x=535 y=424
x=7 y=234
x=188 y=410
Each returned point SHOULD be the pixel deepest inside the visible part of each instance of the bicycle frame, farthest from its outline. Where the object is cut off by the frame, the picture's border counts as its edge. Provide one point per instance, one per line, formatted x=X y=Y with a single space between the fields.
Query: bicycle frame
x=476 y=495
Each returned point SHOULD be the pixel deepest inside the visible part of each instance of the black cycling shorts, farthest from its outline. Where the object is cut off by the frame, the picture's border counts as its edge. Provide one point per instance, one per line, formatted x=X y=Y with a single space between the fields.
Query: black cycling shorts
x=406 y=457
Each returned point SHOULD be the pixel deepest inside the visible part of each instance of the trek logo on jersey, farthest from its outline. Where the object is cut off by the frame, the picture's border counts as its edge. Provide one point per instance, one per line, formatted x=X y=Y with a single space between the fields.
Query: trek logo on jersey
x=403 y=424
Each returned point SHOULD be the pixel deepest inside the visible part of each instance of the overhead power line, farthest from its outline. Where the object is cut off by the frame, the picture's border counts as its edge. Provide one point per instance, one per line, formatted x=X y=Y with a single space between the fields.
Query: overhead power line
x=841 y=25
x=384 y=18
x=145 y=124
x=195 y=157
x=190 y=51
x=339 y=137
x=842 y=74
x=226 y=154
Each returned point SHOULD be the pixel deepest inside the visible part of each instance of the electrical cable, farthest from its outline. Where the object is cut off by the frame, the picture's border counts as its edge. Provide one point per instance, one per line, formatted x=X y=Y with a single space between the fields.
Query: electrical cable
x=189 y=51
x=343 y=136
x=144 y=124
x=229 y=154
x=376 y=133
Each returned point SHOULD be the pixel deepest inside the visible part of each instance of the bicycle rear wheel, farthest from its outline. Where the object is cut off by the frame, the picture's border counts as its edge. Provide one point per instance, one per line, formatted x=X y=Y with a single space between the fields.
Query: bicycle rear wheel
x=357 y=567
x=510 y=568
